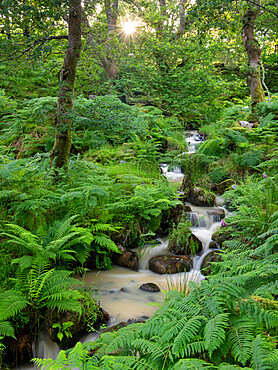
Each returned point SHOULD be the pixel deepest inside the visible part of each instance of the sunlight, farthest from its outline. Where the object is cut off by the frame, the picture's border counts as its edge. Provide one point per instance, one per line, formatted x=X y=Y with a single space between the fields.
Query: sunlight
x=129 y=27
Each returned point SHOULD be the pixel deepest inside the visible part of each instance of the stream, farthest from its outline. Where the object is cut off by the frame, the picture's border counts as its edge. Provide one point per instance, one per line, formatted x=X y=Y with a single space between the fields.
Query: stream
x=118 y=289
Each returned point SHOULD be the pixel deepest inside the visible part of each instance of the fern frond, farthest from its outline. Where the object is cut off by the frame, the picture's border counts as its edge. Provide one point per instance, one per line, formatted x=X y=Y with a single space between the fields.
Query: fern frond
x=127 y=362
x=11 y=303
x=215 y=332
x=241 y=338
x=193 y=364
x=264 y=357
x=6 y=329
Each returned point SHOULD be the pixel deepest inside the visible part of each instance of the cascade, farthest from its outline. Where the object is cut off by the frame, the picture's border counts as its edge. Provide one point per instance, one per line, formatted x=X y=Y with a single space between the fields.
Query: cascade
x=118 y=288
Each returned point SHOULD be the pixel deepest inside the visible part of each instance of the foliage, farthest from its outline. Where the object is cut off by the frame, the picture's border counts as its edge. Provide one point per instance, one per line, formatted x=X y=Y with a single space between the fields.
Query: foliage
x=36 y=289
x=60 y=244
x=63 y=329
x=212 y=322
x=7 y=106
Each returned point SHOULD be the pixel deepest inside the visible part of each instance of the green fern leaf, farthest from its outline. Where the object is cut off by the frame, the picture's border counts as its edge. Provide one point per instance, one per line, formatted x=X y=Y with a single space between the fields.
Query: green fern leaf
x=215 y=332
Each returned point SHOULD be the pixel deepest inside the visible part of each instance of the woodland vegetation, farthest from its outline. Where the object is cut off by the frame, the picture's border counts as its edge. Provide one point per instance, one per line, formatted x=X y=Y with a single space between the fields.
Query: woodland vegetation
x=80 y=176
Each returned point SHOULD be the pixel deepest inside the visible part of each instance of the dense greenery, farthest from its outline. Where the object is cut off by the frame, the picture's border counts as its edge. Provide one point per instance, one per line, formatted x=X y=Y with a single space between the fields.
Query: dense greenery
x=184 y=67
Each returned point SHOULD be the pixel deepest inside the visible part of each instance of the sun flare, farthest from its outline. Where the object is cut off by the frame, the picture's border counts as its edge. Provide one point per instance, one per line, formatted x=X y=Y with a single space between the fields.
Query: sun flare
x=129 y=27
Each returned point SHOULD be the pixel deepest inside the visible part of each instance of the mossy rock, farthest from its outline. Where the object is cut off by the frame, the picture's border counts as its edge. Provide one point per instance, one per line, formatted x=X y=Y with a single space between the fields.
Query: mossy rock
x=200 y=197
x=220 y=236
x=172 y=217
x=182 y=241
x=169 y=264
x=128 y=259
x=92 y=316
x=207 y=264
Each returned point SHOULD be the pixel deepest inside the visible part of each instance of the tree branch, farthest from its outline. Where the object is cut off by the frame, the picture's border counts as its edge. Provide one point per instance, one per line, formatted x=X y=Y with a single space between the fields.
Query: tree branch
x=33 y=45
x=263 y=7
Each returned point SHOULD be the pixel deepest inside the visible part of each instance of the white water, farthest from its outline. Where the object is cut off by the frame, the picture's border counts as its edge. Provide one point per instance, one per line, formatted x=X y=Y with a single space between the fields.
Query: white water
x=118 y=290
x=148 y=252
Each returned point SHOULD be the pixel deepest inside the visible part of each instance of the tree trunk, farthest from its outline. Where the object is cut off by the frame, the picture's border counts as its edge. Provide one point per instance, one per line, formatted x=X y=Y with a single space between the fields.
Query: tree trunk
x=111 y=14
x=254 y=54
x=105 y=57
x=182 y=17
x=59 y=154
x=163 y=16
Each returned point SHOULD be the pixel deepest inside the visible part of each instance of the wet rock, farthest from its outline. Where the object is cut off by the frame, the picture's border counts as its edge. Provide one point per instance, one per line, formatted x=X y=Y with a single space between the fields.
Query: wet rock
x=200 y=197
x=207 y=264
x=78 y=329
x=223 y=186
x=169 y=264
x=172 y=216
x=128 y=259
x=150 y=287
x=115 y=327
x=17 y=350
x=217 y=213
x=213 y=245
x=124 y=290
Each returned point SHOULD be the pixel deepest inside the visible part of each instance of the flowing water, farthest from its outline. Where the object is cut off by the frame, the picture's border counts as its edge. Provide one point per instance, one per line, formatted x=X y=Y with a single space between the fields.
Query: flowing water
x=118 y=289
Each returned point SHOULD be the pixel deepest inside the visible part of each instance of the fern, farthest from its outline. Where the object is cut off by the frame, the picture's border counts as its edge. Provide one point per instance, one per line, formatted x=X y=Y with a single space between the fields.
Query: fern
x=215 y=332
x=193 y=364
x=241 y=338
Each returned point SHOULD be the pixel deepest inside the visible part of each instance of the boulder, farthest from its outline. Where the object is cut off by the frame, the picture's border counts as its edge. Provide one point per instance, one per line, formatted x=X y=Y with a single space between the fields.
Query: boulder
x=150 y=287
x=169 y=264
x=213 y=245
x=190 y=246
x=200 y=197
x=172 y=216
x=128 y=259
x=206 y=266
x=77 y=330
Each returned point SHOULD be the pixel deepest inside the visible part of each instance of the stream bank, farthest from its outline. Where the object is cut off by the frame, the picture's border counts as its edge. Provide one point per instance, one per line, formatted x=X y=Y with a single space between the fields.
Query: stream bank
x=118 y=289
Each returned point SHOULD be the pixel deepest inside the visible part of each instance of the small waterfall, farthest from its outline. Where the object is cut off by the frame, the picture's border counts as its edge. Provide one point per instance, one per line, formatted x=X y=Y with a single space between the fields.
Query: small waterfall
x=193 y=140
x=200 y=219
x=173 y=175
x=148 y=252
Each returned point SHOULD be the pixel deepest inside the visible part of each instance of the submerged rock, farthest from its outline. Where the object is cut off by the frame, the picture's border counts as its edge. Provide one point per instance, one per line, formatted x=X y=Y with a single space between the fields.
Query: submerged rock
x=200 y=197
x=169 y=264
x=150 y=287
